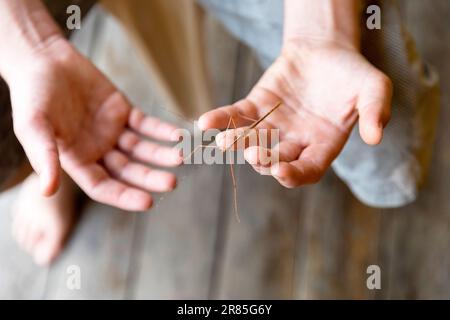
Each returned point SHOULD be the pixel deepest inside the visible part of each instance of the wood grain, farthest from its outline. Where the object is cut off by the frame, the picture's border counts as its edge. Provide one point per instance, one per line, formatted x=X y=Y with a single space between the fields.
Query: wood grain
x=259 y=252
x=178 y=239
x=312 y=242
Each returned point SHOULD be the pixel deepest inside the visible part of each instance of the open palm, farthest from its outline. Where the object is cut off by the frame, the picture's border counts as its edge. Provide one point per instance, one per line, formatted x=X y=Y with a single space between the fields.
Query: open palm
x=67 y=114
x=324 y=89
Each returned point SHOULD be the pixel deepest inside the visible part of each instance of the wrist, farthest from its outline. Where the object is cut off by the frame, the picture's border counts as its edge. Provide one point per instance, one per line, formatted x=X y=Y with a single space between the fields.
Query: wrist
x=27 y=28
x=323 y=21
x=307 y=52
x=309 y=44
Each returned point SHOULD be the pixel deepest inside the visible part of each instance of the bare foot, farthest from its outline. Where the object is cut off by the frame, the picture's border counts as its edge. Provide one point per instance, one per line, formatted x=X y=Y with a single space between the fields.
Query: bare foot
x=42 y=224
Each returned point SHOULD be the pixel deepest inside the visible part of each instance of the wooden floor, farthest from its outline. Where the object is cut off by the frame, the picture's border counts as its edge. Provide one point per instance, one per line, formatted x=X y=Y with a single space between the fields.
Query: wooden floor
x=313 y=242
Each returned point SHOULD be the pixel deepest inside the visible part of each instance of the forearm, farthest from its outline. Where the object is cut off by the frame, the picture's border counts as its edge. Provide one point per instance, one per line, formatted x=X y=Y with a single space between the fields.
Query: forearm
x=323 y=20
x=25 y=27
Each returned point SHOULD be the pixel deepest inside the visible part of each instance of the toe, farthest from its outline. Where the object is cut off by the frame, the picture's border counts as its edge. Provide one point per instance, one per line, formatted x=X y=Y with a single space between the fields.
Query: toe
x=33 y=238
x=21 y=232
x=47 y=249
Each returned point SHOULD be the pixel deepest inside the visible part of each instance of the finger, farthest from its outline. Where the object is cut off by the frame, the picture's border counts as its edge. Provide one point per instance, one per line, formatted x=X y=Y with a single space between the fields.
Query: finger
x=241 y=138
x=262 y=159
x=374 y=107
x=148 y=152
x=138 y=175
x=264 y=171
x=259 y=158
x=151 y=127
x=242 y=112
x=296 y=173
x=38 y=141
x=100 y=186
x=285 y=151
x=307 y=169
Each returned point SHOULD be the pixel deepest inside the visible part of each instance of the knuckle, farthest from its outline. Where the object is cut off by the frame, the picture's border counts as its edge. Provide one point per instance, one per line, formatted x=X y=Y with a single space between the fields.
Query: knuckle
x=128 y=141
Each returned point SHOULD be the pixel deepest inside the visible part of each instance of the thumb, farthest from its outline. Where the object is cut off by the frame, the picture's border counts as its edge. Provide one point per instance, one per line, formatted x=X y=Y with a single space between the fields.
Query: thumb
x=374 y=108
x=37 y=138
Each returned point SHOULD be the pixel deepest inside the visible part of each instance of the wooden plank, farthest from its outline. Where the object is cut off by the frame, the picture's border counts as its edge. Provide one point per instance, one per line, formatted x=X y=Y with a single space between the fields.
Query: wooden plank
x=176 y=242
x=258 y=254
x=315 y=242
x=341 y=237
x=417 y=237
x=338 y=241
x=101 y=249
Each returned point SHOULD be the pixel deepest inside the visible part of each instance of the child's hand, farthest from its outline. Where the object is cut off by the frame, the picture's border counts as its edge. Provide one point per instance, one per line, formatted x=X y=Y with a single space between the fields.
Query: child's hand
x=324 y=88
x=66 y=113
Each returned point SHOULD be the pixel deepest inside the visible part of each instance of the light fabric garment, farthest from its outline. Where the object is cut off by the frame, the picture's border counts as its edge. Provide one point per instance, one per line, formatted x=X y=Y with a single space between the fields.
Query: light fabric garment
x=388 y=175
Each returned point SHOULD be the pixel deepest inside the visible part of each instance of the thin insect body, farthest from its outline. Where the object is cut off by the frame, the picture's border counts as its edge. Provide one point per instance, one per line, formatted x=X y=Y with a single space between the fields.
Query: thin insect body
x=254 y=124
x=243 y=135
x=233 y=179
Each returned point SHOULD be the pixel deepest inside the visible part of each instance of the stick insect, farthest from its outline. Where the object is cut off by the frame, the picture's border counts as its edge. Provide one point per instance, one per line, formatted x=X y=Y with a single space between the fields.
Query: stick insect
x=239 y=137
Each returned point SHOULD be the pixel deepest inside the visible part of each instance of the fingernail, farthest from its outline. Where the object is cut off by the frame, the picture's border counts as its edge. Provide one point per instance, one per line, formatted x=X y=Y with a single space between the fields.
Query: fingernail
x=201 y=123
